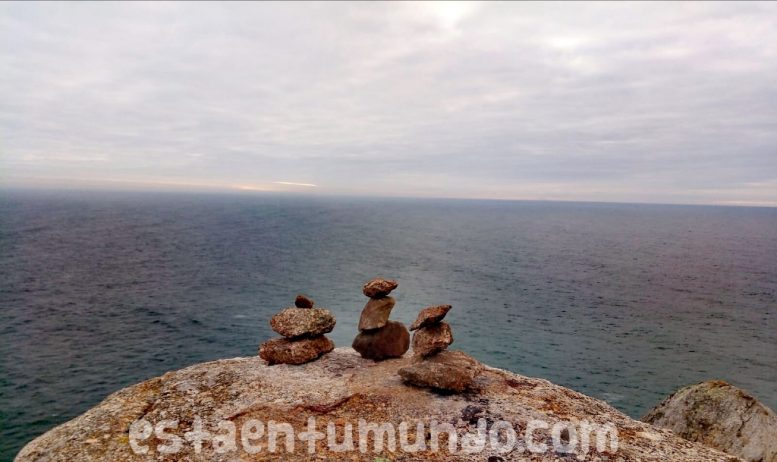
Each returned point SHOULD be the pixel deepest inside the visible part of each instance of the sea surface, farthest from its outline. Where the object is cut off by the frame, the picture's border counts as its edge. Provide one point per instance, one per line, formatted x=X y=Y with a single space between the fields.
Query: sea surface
x=626 y=303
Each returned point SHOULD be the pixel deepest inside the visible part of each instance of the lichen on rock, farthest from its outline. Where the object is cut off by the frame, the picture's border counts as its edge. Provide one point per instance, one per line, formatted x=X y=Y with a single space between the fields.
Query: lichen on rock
x=341 y=388
x=296 y=322
x=294 y=351
x=721 y=416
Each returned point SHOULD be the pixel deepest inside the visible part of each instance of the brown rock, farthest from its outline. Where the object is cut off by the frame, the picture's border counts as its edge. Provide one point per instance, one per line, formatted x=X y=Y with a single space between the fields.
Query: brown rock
x=376 y=313
x=303 y=301
x=430 y=315
x=389 y=341
x=449 y=370
x=432 y=339
x=300 y=351
x=298 y=322
x=379 y=287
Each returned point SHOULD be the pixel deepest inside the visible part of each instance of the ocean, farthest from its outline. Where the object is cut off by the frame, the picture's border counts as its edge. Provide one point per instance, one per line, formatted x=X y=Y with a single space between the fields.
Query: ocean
x=627 y=303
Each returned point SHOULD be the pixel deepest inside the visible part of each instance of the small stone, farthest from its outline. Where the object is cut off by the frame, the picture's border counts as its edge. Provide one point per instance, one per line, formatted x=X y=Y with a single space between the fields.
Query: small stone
x=430 y=315
x=376 y=313
x=303 y=301
x=379 y=287
x=389 y=341
x=449 y=370
x=432 y=339
x=300 y=351
x=298 y=322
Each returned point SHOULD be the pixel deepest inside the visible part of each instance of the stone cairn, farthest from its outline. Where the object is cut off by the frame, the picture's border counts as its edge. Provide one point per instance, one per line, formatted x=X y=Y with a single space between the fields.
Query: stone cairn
x=303 y=328
x=433 y=366
x=379 y=338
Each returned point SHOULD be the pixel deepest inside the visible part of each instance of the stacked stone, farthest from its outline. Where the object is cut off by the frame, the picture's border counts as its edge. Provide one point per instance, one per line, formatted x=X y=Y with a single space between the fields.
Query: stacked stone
x=380 y=338
x=433 y=366
x=303 y=328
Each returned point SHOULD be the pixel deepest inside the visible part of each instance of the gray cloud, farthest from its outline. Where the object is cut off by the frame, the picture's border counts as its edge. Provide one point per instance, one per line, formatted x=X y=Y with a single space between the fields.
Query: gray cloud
x=655 y=102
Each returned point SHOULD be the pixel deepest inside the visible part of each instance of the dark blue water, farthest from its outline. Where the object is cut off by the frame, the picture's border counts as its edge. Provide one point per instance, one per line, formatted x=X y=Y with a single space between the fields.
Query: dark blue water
x=623 y=302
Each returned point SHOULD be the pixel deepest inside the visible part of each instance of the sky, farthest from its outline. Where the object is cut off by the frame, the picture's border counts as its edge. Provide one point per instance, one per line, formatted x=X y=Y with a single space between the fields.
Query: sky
x=621 y=102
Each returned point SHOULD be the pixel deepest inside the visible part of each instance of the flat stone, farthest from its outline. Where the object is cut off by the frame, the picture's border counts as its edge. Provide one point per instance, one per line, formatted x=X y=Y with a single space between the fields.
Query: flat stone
x=298 y=322
x=299 y=351
x=389 y=341
x=430 y=315
x=303 y=301
x=449 y=370
x=379 y=287
x=432 y=339
x=376 y=313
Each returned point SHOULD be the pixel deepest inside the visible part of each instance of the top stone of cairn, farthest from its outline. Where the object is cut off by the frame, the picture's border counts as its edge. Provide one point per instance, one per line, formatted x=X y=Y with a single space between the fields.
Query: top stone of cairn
x=430 y=315
x=303 y=301
x=379 y=287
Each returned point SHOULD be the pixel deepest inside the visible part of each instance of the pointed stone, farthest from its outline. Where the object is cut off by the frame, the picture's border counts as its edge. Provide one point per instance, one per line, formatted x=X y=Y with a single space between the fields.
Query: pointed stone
x=379 y=287
x=298 y=322
x=450 y=370
x=299 y=351
x=432 y=339
x=430 y=315
x=303 y=301
x=389 y=341
x=376 y=313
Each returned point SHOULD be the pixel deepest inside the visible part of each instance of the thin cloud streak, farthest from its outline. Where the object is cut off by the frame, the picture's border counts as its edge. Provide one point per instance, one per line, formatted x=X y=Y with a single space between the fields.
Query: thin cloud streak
x=289 y=183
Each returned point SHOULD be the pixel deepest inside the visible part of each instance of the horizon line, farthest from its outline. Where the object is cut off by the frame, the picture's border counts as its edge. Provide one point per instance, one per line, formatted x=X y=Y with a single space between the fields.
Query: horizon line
x=246 y=191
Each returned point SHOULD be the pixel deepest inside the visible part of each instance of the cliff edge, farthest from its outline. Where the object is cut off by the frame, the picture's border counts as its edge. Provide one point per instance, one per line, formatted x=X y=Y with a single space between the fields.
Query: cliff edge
x=235 y=407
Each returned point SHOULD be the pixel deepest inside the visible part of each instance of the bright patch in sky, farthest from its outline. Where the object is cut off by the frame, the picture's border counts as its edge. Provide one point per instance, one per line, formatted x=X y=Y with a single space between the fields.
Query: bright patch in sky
x=289 y=183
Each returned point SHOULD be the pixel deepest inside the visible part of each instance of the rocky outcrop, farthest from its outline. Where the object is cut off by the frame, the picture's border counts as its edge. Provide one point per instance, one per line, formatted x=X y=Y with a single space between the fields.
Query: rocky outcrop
x=339 y=389
x=721 y=416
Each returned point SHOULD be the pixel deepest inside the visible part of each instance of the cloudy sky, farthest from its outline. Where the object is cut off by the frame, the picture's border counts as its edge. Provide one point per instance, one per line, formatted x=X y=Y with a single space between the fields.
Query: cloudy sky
x=653 y=102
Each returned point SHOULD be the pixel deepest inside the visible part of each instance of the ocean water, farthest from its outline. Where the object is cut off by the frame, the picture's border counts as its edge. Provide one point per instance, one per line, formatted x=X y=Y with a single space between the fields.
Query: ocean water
x=623 y=302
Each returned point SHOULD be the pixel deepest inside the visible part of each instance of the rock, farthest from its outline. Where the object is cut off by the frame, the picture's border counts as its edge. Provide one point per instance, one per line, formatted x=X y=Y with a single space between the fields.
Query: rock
x=389 y=341
x=299 y=351
x=721 y=416
x=376 y=313
x=449 y=370
x=303 y=301
x=472 y=413
x=298 y=322
x=341 y=387
x=432 y=339
x=379 y=287
x=430 y=315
